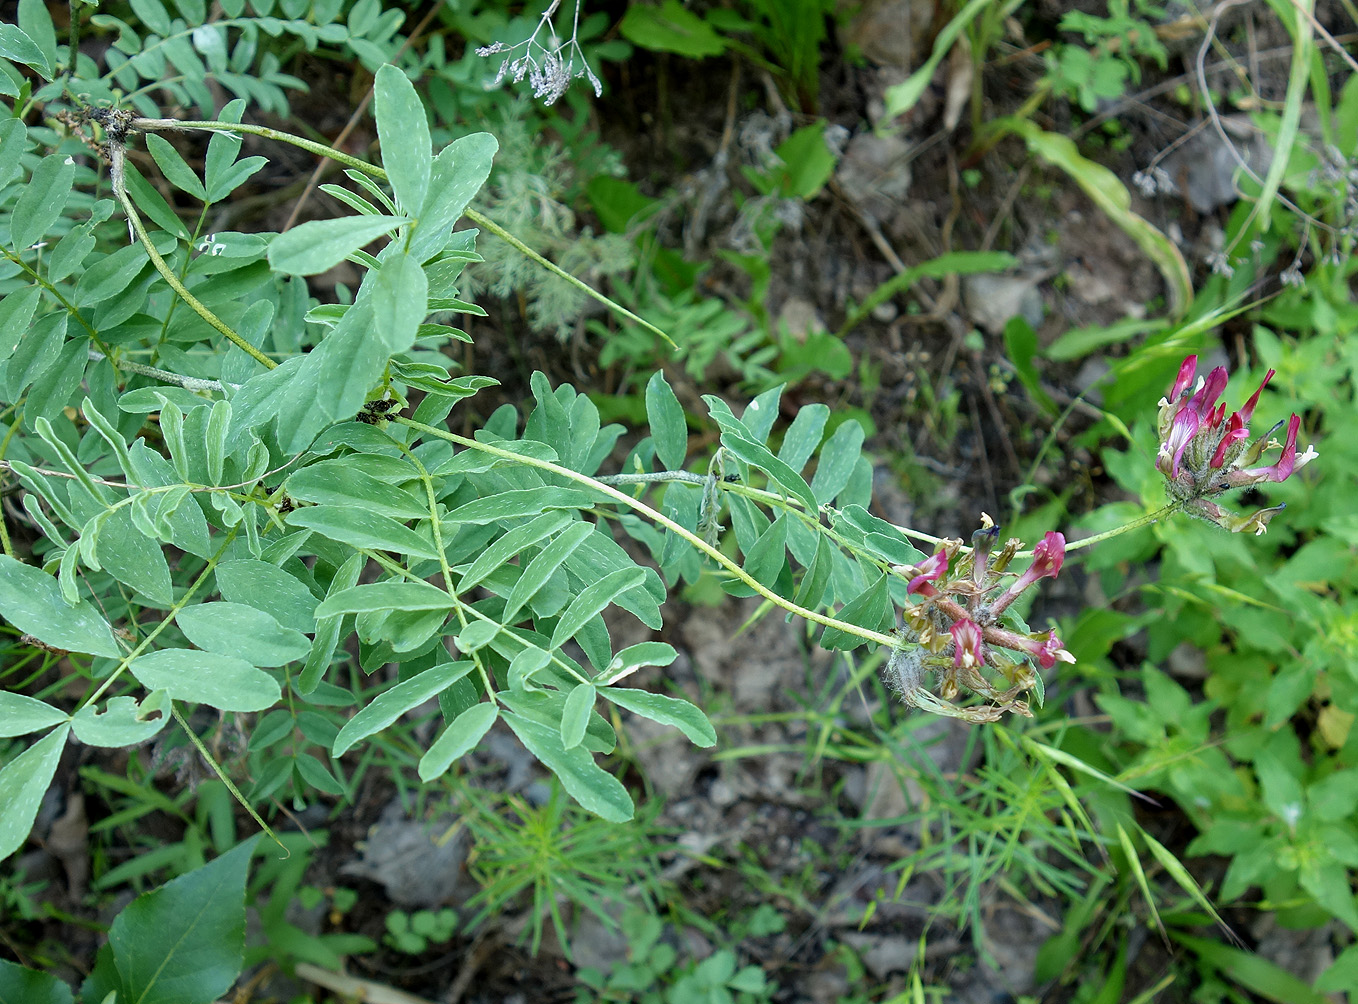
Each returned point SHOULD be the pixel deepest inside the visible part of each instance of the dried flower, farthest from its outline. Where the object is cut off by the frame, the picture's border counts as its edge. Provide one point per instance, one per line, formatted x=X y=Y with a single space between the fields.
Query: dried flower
x=955 y=630
x=1203 y=452
x=550 y=68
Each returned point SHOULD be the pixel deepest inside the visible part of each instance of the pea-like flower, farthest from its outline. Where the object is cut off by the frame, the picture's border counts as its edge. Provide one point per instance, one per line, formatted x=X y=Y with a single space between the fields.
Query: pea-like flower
x=1204 y=452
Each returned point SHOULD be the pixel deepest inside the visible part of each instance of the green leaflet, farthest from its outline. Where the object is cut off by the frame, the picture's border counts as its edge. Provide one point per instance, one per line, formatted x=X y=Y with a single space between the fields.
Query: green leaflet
x=668 y=428
x=589 y=784
x=870 y=609
x=321 y=244
x=221 y=681
x=403 y=131
x=23 y=782
x=458 y=739
x=235 y=629
x=392 y=704
x=360 y=528
x=31 y=600
x=683 y=715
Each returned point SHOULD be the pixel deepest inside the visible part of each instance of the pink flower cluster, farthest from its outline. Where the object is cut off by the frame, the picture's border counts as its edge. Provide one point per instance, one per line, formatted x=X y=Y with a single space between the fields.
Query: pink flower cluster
x=1204 y=452
x=958 y=622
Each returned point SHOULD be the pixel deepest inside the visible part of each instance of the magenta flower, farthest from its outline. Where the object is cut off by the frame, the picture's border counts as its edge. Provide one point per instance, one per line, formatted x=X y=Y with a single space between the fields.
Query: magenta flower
x=1204 y=452
x=1047 y=558
x=1047 y=651
x=929 y=570
x=968 y=650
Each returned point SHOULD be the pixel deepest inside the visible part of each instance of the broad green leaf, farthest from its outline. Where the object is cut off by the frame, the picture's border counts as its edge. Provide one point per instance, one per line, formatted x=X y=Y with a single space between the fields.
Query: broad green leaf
x=123 y=722
x=153 y=14
x=347 y=482
x=666 y=417
x=584 y=780
x=31 y=600
x=321 y=244
x=20 y=715
x=837 y=459
x=575 y=716
x=781 y=474
x=245 y=632
x=361 y=528
x=220 y=681
x=521 y=502
x=400 y=302
x=390 y=705
x=214 y=440
x=593 y=599
x=458 y=739
x=512 y=543
x=176 y=171
x=385 y=596
x=671 y=27
x=36 y=22
x=16 y=312
x=44 y=197
x=23 y=782
x=267 y=587
x=525 y=664
x=803 y=436
x=28 y=986
x=459 y=171
x=403 y=130
x=184 y=943
x=683 y=715
x=870 y=609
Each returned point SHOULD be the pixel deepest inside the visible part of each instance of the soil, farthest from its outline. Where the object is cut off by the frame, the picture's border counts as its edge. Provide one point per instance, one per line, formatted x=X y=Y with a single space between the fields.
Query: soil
x=764 y=819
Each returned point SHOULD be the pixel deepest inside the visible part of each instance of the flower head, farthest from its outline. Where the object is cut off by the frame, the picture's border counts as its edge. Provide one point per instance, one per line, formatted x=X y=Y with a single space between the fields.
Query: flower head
x=1204 y=452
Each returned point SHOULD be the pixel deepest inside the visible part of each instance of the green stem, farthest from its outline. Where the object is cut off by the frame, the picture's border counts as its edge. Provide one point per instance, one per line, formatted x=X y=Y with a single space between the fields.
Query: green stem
x=167 y=273
x=659 y=518
x=321 y=150
x=1136 y=524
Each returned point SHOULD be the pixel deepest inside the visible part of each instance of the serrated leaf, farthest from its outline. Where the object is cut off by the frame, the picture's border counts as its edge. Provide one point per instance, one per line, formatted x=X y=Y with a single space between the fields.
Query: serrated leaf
x=220 y=681
x=594 y=788
x=242 y=631
x=666 y=417
x=31 y=600
x=390 y=705
x=683 y=715
x=458 y=739
x=23 y=782
x=315 y=246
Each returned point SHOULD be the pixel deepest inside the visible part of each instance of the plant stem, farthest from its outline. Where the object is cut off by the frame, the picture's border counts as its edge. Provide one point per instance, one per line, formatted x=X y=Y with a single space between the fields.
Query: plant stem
x=659 y=518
